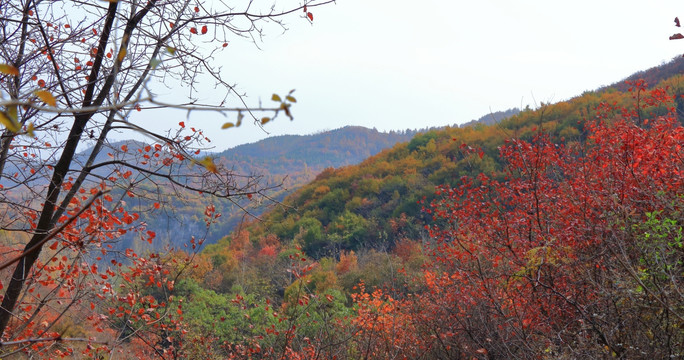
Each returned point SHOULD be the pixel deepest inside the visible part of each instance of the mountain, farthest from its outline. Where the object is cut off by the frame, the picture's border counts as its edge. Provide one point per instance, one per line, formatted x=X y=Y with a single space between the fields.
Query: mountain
x=290 y=153
x=290 y=160
x=360 y=252
x=492 y=118
x=376 y=203
x=651 y=76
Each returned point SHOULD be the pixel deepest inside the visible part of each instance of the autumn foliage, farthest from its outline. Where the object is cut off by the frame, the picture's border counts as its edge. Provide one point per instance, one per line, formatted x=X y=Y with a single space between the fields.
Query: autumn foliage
x=573 y=251
x=555 y=234
x=577 y=252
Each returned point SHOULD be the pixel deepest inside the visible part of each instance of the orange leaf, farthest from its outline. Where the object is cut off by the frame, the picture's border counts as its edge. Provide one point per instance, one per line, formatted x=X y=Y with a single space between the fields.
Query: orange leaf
x=46 y=97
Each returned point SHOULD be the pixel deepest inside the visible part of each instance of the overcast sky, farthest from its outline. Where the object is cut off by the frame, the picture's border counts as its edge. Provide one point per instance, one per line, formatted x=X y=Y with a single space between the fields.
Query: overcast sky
x=398 y=64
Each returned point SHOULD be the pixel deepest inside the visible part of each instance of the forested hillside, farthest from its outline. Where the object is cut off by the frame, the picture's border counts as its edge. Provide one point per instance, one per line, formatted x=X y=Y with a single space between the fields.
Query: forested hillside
x=284 y=164
x=510 y=231
x=296 y=155
x=281 y=164
x=354 y=207
x=492 y=118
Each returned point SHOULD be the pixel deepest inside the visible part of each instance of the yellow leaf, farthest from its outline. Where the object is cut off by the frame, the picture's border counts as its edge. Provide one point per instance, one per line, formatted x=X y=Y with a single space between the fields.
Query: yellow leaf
x=46 y=97
x=264 y=120
x=291 y=99
x=171 y=50
x=13 y=113
x=11 y=124
x=239 y=121
x=208 y=163
x=9 y=70
x=29 y=130
x=122 y=54
x=227 y=125
x=275 y=97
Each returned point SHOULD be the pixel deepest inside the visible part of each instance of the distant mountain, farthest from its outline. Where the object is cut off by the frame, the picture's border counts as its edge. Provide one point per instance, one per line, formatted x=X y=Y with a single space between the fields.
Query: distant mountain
x=293 y=154
x=652 y=76
x=492 y=118
x=290 y=160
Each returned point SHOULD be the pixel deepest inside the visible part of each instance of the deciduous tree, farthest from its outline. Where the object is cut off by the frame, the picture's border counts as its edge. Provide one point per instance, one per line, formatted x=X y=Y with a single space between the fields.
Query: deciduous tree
x=72 y=73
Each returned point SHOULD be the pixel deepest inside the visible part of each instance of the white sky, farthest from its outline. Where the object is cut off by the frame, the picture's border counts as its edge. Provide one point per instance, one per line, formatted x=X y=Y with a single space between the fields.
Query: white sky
x=398 y=64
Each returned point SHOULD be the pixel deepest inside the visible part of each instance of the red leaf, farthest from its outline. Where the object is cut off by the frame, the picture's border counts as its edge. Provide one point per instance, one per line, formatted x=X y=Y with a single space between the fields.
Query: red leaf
x=204 y=29
x=193 y=30
x=310 y=16
x=677 y=22
x=676 y=36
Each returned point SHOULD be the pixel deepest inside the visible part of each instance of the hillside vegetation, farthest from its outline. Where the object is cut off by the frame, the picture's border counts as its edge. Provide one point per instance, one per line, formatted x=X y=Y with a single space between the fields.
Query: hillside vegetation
x=358 y=207
x=543 y=234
